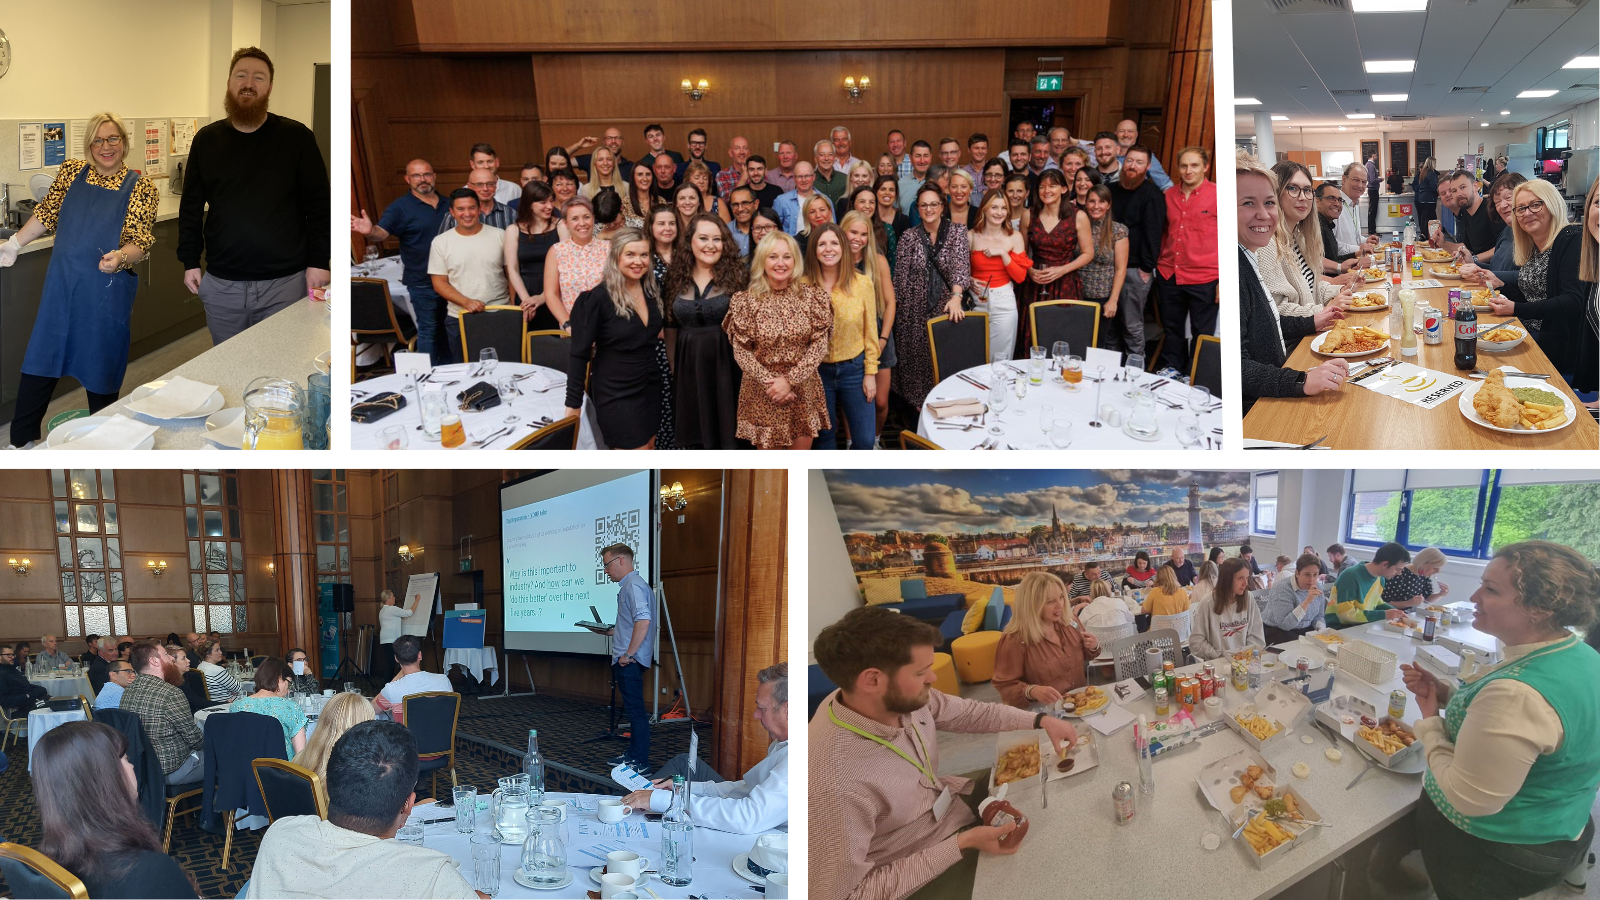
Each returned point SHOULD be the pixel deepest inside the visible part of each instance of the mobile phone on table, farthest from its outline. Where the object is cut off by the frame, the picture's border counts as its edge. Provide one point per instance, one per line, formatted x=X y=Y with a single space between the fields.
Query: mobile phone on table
x=652 y=817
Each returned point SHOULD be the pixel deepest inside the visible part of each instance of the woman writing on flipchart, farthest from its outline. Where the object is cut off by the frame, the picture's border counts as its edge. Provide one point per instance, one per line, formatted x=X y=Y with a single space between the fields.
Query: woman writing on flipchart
x=389 y=625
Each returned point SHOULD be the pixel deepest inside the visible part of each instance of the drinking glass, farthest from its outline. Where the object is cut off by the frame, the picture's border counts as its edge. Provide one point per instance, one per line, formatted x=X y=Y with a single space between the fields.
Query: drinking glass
x=488 y=358
x=434 y=407
x=508 y=388
x=451 y=432
x=999 y=397
x=1199 y=399
x=1072 y=373
x=485 y=863
x=1132 y=369
x=465 y=798
x=998 y=371
x=1047 y=414
x=1059 y=351
x=1189 y=431
x=1060 y=434
x=371 y=255
x=393 y=438
x=1142 y=418
x=1036 y=364
x=1020 y=386
x=410 y=834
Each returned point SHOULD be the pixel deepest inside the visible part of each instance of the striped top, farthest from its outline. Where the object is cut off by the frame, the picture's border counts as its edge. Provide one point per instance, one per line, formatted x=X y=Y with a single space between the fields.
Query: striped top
x=220 y=685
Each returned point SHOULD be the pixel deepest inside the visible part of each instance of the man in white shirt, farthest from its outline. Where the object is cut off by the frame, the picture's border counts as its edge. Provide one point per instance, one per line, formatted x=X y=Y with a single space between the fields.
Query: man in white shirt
x=390 y=615
x=756 y=803
x=411 y=680
x=467 y=265
x=372 y=776
x=1347 y=228
x=50 y=657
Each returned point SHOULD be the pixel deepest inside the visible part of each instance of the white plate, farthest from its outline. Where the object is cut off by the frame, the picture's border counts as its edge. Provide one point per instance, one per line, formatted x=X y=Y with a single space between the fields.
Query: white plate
x=516 y=875
x=597 y=871
x=323 y=361
x=212 y=404
x=738 y=869
x=222 y=419
x=1503 y=346
x=1465 y=404
x=1292 y=655
x=1442 y=275
x=72 y=429
x=1316 y=347
x=1379 y=280
x=1369 y=309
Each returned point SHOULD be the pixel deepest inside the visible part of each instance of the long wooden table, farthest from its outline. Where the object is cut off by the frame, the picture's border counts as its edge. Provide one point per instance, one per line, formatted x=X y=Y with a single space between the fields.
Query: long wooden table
x=1354 y=418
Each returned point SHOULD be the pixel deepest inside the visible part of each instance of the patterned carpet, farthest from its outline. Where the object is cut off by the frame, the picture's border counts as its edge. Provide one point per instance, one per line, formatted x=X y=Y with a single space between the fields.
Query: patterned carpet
x=491 y=737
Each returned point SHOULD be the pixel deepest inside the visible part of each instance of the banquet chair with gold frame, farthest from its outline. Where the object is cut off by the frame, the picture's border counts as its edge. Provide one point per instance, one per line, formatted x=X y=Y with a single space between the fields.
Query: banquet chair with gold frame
x=910 y=440
x=19 y=722
x=1206 y=370
x=427 y=715
x=499 y=326
x=373 y=316
x=1075 y=321
x=550 y=349
x=957 y=346
x=289 y=789
x=558 y=435
x=88 y=711
x=30 y=873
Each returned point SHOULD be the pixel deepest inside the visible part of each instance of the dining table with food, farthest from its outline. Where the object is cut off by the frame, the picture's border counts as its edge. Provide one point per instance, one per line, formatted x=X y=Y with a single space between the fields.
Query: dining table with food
x=1410 y=388
x=1243 y=793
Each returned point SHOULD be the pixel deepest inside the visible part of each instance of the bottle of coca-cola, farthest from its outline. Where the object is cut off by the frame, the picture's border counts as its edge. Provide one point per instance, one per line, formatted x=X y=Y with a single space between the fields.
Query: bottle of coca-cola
x=1466 y=335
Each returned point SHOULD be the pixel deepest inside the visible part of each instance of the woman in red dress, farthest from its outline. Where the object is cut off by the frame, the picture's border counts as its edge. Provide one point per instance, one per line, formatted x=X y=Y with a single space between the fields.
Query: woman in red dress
x=1060 y=245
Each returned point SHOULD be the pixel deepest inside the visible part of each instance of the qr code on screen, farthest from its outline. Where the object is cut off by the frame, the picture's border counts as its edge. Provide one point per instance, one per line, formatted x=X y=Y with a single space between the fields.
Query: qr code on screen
x=622 y=528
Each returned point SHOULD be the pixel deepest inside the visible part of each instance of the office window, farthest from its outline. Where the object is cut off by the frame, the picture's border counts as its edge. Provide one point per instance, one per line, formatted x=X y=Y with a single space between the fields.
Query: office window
x=1375 y=499
x=1565 y=509
x=1264 y=503
x=1471 y=513
x=328 y=506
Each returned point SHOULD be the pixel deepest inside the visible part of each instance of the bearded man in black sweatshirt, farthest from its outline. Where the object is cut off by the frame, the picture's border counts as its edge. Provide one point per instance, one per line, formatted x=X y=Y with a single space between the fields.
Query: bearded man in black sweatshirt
x=255 y=205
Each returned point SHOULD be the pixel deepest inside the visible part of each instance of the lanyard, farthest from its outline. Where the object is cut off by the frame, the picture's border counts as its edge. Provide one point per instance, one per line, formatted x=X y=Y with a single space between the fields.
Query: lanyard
x=903 y=755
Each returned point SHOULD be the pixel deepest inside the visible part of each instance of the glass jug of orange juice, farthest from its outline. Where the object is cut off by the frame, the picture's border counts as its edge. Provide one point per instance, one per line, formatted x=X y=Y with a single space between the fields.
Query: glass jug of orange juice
x=273 y=408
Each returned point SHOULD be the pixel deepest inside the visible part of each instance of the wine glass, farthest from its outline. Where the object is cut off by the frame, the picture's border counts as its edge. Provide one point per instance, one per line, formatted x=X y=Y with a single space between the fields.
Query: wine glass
x=507 y=387
x=1132 y=369
x=1061 y=434
x=1047 y=414
x=1199 y=399
x=1072 y=373
x=999 y=396
x=488 y=358
x=1020 y=386
x=1058 y=352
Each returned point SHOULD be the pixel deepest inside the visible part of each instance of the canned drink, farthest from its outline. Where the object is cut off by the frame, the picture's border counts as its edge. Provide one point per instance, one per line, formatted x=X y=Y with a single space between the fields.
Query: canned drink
x=1163 y=704
x=1432 y=326
x=1190 y=696
x=1210 y=669
x=1416 y=268
x=1455 y=300
x=1397 y=704
x=1302 y=668
x=1208 y=686
x=1122 y=802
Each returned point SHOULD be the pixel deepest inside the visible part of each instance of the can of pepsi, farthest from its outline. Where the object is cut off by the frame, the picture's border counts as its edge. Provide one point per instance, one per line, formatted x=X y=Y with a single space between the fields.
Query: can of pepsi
x=1432 y=326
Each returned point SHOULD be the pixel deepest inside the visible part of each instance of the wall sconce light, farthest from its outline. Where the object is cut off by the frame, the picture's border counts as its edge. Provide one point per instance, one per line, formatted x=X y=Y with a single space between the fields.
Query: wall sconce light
x=856 y=88
x=157 y=568
x=20 y=567
x=272 y=569
x=672 y=498
x=696 y=90
x=406 y=553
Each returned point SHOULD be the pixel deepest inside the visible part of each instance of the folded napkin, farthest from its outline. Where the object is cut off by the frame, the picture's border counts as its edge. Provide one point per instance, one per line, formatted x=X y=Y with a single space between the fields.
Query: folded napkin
x=377 y=406
x=963 y=406
x=178 y=397
x=540 y=380
x=479 y=397
x=230 y=435
x=116 y=433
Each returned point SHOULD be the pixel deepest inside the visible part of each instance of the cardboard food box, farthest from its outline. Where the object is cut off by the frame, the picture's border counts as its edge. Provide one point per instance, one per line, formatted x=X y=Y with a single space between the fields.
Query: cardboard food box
x=1389 y=760
x=1335 y=712
x=1326 y=641
x=1282 y=704
x=1300 y=832
x=1218 y=779
x=1085 y=755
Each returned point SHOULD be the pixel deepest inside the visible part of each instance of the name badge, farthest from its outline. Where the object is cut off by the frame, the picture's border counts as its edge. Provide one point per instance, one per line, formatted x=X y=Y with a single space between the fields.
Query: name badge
x=942 y=805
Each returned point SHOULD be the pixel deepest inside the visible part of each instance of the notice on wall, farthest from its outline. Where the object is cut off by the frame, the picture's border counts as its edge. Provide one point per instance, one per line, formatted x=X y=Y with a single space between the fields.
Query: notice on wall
x=155 y=155
x=183 y=135
x=55 y=143
x=75 y=130
x=30 y=146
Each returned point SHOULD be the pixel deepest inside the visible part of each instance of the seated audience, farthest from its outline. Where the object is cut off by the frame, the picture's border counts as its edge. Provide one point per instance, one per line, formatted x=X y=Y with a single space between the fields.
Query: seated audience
x=91 y=648
x=874 y=832
x=1295 y=605
x=50 y=657
x=1550 y=297
x=1285 y=262
x=1139 y=574
x=120 y=675
x=220 y=683
x=1357 y=595
x=1329 y=204
x=88 y=799
x=1501 y=269
x=1477 y=228
x=302 y=678
x=1338 y=560
x=1231 y=621
x=1181 y=567
x=18 y=695
x=1166 y=598
x=162 y=709
x=1205 y=582
x=1090 y=574
x=271 y=698
x=1413 y=585
x=410 y=679
x=1042 y=653
x=372 y=771
x=1103 y=610
x=340 y=714
x=755 y=803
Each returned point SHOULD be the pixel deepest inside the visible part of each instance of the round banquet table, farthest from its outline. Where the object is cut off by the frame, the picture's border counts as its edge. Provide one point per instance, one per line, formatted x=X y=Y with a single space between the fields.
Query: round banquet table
x=475 y=660
x=527 y=408
x=1020 y=421
x=42 y=720
x=589 y=842
x=65 y=685
x=1175 y=817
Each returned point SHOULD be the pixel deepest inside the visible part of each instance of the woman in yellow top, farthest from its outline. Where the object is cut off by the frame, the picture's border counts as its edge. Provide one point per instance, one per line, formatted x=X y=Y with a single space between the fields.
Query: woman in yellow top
x=849 y=370
x=1166 y=598
x=102 y=214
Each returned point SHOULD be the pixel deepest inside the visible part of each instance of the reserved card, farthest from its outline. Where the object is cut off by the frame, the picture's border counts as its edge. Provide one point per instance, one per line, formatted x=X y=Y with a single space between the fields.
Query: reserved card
x=411 y=362
x=1096 y=357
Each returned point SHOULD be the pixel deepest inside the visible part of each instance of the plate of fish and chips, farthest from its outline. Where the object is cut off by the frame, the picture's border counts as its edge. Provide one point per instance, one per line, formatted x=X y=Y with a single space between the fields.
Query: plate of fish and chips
x=1369 y=301
x=1346 y=340
x=1504 y=402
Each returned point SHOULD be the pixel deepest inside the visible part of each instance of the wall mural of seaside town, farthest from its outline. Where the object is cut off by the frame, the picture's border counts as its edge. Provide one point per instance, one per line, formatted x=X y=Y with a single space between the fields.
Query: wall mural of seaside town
x=994 y=527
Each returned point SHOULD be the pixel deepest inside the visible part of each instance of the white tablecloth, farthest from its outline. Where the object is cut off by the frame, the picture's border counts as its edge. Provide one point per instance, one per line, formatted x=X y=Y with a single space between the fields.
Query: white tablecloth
x=714 y=852
x=389 y=269
x=474 y=661
x=65 y=685
x=1023 y=432
x=527 y=408
x=42 y=720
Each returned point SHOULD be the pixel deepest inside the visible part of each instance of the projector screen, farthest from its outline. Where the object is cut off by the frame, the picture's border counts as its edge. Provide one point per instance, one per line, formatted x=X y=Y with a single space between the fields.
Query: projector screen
x=552 y=528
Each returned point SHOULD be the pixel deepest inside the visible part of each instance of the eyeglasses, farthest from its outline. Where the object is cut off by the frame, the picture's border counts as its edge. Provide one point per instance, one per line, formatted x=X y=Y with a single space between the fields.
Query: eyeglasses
x=608 y=562
x=697 y=143
x=933 y=204
x=1533 y=208
x=113 y=141
x=1295 y=190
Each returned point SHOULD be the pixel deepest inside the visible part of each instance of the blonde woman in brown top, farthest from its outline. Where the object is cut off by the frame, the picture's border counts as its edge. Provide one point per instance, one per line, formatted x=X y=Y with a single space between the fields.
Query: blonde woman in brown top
x=1042 y=654
x=780 y=330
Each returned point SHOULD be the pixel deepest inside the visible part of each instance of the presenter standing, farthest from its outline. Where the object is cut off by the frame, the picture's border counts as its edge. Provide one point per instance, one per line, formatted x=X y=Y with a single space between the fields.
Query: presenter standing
x=389 y=616
x=632 y=646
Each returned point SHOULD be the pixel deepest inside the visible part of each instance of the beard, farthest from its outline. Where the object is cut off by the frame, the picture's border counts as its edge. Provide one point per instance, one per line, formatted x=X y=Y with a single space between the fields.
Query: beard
x=247 y=114
x=896 y=702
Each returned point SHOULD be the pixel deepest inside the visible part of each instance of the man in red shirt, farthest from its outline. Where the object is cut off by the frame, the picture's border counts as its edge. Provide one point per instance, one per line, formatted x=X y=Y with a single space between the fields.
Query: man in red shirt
x=1188 y=264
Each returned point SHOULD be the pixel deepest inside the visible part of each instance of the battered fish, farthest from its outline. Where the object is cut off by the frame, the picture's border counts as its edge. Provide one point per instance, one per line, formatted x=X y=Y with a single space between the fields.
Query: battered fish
x=1495 y=403
x=1340 y=335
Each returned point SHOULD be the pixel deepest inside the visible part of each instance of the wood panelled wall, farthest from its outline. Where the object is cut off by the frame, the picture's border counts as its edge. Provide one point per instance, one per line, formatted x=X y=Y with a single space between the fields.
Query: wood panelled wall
x=772 y=96
x=755 y=610
x=507 y=25
x=151 y=525
x=1189 y=107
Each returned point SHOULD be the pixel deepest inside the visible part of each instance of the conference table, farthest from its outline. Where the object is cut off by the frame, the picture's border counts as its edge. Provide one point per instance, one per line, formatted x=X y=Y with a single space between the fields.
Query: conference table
x=1356 y=418
x=1024 y=421
x=530 y=408
x=66 y=685
x=475 y=661
x=588 y=842
x=1162 y=845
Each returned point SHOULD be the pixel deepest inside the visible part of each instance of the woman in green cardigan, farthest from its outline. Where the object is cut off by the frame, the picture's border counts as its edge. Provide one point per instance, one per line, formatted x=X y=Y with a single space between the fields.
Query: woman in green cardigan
x=1514 y=751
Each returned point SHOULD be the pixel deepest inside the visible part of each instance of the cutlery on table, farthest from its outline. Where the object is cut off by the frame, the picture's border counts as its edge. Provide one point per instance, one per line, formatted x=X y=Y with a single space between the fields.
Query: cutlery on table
x=1479 y=373
x=492 y=438
x=1247 y=817
x=1363 y=774
x=1044 y=772
x=1300 y=447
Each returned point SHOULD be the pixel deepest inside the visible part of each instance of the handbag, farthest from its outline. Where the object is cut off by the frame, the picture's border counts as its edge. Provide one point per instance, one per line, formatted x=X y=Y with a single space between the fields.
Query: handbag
x=479 y=397
x=937 y=286
x=376 y=407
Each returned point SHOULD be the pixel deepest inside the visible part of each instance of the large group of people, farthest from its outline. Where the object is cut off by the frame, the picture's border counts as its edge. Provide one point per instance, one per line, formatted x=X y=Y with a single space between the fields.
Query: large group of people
x=1301 y=256
x=781 y=303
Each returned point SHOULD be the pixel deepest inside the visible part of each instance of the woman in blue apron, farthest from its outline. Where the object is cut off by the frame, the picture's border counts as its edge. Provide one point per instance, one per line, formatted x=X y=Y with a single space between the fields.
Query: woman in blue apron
x=102 y=214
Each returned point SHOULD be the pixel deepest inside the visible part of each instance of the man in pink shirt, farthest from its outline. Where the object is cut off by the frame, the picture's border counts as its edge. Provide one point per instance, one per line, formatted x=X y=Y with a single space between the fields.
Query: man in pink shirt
x=883 y=821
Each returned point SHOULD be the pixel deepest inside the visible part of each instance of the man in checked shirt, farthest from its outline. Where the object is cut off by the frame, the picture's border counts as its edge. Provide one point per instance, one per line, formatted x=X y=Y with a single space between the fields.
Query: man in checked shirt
x=882 y=821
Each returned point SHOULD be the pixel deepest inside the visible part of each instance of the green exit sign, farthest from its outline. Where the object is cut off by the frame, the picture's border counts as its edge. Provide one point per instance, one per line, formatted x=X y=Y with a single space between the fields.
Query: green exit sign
x=1047 y=83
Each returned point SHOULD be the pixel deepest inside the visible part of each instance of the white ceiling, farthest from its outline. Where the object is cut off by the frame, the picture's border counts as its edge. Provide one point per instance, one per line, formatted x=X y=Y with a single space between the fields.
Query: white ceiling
x=1292 y=55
